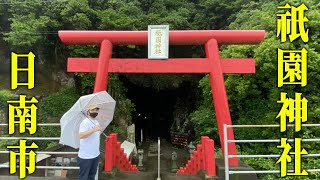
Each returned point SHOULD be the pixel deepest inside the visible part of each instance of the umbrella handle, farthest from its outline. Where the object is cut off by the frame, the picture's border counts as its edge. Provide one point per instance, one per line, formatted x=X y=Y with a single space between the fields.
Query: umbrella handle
x=104 y=134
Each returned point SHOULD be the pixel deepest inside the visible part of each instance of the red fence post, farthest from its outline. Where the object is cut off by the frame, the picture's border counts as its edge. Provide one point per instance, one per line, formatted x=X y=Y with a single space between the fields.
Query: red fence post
x=200 y=156
x=122 y=158
x=196 y=162
x=115 y=156
x=211 y=163
x=188 y=167
x=118 y=160
x=203 y=142
x=108 y=162
x=114 y=145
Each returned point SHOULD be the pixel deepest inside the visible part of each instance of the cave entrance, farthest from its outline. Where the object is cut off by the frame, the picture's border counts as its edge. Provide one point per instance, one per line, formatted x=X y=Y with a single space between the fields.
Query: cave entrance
x=155 y=110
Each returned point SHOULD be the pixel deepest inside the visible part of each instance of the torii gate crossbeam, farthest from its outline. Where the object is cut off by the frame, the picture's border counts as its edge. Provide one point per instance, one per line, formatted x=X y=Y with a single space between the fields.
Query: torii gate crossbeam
x=212 y=64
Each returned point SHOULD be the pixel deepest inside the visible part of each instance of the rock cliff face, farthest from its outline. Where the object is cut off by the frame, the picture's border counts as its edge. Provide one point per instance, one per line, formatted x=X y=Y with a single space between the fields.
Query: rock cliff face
x=63 y=78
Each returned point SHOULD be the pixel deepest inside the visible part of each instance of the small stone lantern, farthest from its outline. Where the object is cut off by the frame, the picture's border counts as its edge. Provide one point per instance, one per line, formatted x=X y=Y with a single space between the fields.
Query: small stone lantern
x=191 y=148
x=174 y=157
x=140 y=155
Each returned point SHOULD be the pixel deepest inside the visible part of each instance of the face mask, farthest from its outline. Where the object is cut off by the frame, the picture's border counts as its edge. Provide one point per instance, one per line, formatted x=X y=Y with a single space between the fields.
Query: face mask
x=93 y=114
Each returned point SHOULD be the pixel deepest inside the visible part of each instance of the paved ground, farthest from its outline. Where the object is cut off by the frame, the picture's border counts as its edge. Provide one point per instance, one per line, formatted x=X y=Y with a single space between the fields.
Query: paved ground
x=150 y=163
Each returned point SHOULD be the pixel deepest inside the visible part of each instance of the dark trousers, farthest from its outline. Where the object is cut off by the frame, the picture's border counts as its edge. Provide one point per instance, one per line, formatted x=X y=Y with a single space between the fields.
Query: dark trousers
x=88 y=168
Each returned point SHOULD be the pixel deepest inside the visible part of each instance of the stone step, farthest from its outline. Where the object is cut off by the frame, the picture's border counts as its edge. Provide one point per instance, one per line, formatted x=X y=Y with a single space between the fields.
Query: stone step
x=220 y=170
x=172 y=176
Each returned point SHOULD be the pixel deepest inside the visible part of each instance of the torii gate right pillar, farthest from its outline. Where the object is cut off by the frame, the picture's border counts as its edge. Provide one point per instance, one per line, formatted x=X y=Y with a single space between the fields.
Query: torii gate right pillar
x=219 y=96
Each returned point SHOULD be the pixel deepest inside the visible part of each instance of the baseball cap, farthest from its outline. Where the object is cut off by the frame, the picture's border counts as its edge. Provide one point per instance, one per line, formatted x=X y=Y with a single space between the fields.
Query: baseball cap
x=93 y=106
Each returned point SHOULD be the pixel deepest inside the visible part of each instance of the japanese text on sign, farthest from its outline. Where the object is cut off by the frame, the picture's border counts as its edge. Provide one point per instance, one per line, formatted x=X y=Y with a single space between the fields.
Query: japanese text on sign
x=292 y=70
x=24 y=113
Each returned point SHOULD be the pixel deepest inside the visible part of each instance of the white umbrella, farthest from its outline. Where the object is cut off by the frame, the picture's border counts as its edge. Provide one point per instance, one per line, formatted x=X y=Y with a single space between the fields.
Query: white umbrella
x=71 y=120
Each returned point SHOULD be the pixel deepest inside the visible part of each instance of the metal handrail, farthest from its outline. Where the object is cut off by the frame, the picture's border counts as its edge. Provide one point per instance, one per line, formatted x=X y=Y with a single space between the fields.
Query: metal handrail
x=159 y=154
x=47 y=167
x=42 y=152
x=226 y=150
x=39 y=124
x=39 y=152
x=267 y=172
x=226 y=142
x=30 y=138
x=270 y=140
x=270 y=125
x=269 y=156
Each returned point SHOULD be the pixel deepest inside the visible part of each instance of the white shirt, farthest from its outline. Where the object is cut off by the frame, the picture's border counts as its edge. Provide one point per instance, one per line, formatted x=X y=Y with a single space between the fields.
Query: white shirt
x=89 y=147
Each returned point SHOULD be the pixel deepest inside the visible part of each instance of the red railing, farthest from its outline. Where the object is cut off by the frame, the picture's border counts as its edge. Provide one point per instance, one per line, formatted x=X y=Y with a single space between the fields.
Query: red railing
x=115 y=156
x=202 y=158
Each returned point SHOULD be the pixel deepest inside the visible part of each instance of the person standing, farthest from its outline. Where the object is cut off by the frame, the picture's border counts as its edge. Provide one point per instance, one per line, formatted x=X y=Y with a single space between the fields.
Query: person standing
x=89 y=149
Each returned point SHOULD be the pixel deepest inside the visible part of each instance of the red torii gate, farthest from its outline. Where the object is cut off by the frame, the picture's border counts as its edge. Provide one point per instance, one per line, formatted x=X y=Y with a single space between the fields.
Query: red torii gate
x=212 y=64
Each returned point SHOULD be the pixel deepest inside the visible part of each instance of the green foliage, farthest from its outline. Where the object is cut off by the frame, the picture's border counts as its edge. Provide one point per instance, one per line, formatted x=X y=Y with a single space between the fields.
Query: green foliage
x=26 y=24
x=218 y=153
x=124 y=107
x=257 y=16
x=50 y=110
x=216 y=14
x=32 y=25
x=119 y=18
x=204 y=123
x=76 y=15
x=253 y=98
x=84 y=51
x=52 y=144
x=5 y=143
x=86 y=82
x=203 y=120
x=4 y=97
x=115 y=129
x=57 y=104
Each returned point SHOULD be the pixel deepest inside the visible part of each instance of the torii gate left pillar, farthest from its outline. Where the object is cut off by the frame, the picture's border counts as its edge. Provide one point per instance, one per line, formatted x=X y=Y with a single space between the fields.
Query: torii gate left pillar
x=212 y=64
x=103 y=66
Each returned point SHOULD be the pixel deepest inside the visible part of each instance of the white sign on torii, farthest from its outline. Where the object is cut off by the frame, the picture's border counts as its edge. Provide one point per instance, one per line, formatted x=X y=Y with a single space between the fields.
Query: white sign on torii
x=158 y=41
